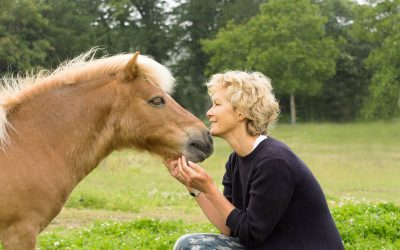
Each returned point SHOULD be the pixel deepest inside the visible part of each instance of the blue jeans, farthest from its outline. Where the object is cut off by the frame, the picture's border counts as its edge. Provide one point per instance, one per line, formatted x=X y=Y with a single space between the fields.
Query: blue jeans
x=202 y=241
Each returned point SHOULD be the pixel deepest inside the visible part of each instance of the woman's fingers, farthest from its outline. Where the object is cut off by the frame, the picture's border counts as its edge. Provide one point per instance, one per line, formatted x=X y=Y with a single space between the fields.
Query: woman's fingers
x=183 y=169
x=186 y=168
x=194 y=175
x=194 y=166
x=173 y=167
x=168 y=165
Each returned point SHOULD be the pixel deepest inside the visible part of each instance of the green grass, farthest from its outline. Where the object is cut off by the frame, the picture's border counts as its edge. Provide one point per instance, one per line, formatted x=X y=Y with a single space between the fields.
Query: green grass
x=141 y=234
x=361 y=225
x=367 y=225
x=361 y=161
x=356 y=160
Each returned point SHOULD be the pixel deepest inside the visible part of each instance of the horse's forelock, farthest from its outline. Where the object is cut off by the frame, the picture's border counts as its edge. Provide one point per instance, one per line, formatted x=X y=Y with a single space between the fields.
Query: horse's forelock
x=157 y=73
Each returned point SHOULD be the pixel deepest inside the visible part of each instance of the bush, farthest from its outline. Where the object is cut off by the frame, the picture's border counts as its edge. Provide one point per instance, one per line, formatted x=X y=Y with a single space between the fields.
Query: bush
x=368 y=226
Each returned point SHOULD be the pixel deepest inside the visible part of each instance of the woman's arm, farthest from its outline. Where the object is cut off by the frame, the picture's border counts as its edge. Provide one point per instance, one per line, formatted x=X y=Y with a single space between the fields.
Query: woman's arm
x=212 y=214
x=213 y=203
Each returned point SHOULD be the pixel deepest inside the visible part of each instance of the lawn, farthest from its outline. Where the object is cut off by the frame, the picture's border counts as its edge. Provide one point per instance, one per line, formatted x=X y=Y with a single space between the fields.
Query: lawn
x=356 y=160
x=131 y=202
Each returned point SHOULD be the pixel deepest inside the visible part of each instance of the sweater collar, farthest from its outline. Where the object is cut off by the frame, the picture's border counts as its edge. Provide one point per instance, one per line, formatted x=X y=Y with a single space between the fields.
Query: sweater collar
x=258 y=140
x=255 y=151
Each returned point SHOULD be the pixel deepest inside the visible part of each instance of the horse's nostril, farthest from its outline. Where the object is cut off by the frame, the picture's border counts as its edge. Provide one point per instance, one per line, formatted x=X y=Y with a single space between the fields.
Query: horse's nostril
x=194 y=144
x=205 y=147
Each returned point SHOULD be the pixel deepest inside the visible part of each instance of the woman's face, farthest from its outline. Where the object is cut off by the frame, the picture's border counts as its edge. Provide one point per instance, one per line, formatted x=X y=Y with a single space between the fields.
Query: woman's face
x=222 y=115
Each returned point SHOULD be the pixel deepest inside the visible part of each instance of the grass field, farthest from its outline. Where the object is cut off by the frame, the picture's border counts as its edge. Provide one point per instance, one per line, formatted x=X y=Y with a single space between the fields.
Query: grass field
x=350 y=160
x=356 y=160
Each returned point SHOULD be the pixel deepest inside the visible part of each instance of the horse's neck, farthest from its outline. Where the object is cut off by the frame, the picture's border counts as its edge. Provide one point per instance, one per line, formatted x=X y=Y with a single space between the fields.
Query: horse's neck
x=94 y=135
x=72 y=123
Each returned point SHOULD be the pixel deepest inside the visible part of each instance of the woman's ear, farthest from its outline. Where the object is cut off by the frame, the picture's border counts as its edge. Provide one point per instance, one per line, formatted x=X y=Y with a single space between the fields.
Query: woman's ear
x=240 y=116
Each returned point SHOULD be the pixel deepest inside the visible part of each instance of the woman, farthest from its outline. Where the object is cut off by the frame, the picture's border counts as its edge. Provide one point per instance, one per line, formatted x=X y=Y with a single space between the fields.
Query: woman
x=270 y=200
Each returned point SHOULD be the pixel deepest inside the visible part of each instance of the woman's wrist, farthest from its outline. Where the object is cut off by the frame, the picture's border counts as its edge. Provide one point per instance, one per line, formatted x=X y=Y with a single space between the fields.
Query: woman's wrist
x=212 y=190
x=194 y=192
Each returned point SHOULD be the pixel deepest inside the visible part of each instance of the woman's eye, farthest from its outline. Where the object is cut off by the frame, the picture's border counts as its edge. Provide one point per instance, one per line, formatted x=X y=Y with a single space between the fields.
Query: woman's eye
x=157 y=102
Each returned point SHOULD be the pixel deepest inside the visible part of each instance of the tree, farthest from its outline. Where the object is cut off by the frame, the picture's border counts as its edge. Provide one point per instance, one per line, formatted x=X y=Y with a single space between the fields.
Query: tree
x=195 y=20
x=46 y=32
x=23 y=43
x=342 y=94
x=240 y=11
x=286 y=41
x=72 y=28
x=379 y=25
x=142 y=25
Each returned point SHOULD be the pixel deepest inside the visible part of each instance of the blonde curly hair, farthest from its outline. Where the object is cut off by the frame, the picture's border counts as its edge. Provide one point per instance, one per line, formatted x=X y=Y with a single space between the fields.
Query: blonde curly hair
x=250 y=93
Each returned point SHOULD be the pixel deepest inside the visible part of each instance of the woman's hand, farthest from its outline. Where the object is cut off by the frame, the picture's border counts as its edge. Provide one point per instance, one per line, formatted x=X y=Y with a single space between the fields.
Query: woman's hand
x=195 y=176
x=174 y=168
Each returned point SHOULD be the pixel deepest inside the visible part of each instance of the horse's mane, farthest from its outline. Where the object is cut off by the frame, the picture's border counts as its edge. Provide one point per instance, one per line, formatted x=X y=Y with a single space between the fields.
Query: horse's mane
x=83 y=68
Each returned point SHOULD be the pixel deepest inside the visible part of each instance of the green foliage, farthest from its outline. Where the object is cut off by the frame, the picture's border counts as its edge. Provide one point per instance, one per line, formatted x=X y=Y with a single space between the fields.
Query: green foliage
x=140 y=25
x=196 y=20
x=368 y=225
x=240 y=11
x=140 y=234
x=22 y=35
x=73 y=29
x=338 y=57
x=361 y=226
x=383 y=100
x=286 y=41
x=342 y=94
x=379 y=26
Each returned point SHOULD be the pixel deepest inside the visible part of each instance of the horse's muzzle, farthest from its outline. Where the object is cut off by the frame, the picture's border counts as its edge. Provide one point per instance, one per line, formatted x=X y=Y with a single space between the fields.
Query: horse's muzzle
x=199 y=147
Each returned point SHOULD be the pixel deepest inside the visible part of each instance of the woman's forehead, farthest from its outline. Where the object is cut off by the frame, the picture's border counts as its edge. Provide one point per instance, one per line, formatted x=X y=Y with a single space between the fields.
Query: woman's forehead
x=220 y=93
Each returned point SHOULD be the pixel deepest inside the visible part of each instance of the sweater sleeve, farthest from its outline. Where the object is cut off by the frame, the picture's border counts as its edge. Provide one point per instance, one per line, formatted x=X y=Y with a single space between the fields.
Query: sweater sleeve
x=271 y=188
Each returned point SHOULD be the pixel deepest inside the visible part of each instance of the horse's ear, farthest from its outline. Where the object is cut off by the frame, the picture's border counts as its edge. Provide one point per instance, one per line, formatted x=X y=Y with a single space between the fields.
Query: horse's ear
x=131 y=68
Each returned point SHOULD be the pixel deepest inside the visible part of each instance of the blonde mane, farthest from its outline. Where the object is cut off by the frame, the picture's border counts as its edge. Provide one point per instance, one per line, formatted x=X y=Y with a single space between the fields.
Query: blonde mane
x=14 y=90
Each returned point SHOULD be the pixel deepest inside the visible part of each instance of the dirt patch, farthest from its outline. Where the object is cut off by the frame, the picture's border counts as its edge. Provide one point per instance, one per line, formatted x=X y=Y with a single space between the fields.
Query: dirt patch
x=70 y=218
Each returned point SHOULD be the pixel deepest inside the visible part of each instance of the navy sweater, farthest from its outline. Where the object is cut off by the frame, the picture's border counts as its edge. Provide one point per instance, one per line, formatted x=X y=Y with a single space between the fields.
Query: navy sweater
x=278 y=202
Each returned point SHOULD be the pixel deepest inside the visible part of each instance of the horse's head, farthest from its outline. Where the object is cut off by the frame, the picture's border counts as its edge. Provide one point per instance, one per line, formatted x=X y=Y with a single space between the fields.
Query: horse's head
x=149 y=119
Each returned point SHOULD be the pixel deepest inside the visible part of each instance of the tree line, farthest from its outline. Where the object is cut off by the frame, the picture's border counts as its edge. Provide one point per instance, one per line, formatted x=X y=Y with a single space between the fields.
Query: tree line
x=329 y=60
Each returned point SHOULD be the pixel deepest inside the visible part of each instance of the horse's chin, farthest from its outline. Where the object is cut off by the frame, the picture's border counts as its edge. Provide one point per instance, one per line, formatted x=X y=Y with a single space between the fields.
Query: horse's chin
x=198 y=157
x=193 y=157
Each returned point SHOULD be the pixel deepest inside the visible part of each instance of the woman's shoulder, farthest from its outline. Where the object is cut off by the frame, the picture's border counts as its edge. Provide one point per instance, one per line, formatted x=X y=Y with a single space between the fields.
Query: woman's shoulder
x=268 y=150
x=273 y=149
x=276 y=154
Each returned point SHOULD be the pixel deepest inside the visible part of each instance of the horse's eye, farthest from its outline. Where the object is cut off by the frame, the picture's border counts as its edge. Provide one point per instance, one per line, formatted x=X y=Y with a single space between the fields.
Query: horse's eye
x=157 y=102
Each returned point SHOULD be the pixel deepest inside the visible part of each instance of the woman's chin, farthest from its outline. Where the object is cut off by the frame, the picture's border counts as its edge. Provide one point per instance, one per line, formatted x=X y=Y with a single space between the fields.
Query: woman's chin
x=213 y=132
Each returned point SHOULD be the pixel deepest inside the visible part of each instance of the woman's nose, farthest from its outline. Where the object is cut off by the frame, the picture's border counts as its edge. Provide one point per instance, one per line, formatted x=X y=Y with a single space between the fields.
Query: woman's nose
x=209 y=112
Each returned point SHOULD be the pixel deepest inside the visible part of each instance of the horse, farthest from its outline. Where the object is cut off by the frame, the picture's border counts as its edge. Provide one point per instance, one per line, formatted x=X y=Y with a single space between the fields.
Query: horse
x=57 y=125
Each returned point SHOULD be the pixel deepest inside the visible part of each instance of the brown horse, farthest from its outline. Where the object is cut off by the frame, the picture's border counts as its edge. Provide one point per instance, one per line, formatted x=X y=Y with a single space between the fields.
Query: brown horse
x=55 y=132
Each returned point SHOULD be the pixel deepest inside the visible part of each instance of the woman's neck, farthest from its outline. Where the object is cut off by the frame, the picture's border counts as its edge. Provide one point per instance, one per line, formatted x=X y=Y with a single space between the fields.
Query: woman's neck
x=241 y=142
